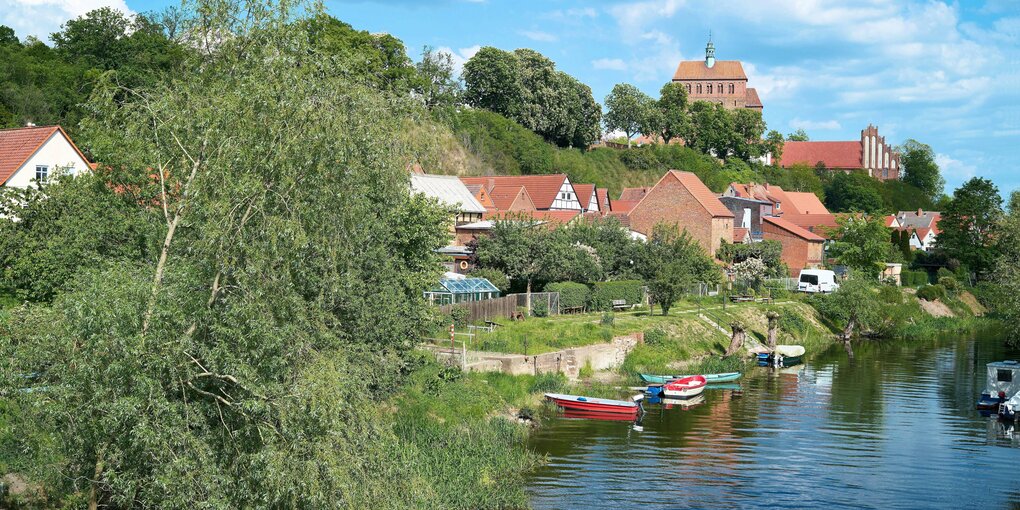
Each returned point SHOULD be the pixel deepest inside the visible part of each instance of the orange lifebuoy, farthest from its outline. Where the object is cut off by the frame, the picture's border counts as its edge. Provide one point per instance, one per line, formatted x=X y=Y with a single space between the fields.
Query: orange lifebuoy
x=463 y=264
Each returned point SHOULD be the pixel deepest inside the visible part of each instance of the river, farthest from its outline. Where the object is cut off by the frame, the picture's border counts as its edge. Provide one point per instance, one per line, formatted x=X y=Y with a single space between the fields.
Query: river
x=894 y=427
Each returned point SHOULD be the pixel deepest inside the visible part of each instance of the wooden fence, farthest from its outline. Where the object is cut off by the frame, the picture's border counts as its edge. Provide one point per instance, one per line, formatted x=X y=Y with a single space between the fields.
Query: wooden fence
x=505 y=307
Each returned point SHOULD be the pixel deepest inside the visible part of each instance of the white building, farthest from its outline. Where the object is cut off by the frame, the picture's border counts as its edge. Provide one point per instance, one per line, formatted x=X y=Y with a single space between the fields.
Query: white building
x=36 y=154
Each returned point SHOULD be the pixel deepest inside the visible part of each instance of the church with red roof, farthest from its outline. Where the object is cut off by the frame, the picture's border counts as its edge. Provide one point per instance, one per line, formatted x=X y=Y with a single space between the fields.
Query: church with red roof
x=870 y=154
x=717 y=81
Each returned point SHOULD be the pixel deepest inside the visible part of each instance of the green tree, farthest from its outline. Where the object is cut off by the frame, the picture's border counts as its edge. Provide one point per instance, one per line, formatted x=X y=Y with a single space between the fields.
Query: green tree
x=492 y=81
x=672 y=262
x=1006 y=277
x=436 y=86
x=853 y=192
x=379 y=61
x=668 y=117
x=7 y=36
x=861 y=243
x=774 y=145
x=853 y=308
x=749 y=126
x=94 y=38
x=626 y=109
x=712 y=129
x=241 y=361
x=798 y=136
x=69 y=225
x=920 y=169
x=969 y=224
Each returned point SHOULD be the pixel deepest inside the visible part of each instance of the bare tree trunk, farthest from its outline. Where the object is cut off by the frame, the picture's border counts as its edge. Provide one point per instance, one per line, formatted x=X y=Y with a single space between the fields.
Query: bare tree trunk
x=93 y=492
x=527 y=299
x=737 y=341
x=848 y=331
x=773 y=318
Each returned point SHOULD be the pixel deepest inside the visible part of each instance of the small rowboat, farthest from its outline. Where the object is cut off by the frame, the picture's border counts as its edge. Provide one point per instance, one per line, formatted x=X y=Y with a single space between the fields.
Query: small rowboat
x=596 y=415
x=711 y=378
x=784 y=355
x=685 y=388
x=601 y=405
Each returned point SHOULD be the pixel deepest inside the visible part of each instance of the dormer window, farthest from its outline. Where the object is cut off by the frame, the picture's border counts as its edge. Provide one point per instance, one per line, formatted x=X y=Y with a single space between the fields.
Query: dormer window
x=42 y=172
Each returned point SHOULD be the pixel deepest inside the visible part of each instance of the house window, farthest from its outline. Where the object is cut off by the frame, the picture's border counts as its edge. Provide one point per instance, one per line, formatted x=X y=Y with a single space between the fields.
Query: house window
x=41 y=172
x=1004 y=375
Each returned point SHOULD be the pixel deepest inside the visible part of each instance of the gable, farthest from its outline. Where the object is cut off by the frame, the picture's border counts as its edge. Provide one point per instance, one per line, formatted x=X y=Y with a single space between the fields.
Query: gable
x=21 y=148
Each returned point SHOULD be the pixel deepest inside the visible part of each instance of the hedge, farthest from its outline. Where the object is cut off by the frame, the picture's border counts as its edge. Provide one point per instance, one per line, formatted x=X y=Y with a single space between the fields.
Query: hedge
x=914 y=278
x=572 y=295
x=931 y=292
x=604 y=293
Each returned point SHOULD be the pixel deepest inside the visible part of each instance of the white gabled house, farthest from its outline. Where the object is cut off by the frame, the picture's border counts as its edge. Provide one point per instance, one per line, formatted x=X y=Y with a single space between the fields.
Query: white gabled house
x=34 y=154
x=923 y=239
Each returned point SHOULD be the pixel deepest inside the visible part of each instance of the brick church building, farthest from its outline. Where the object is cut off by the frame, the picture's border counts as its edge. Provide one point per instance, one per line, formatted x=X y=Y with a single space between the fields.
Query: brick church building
x=717 y=81
x=870 y=153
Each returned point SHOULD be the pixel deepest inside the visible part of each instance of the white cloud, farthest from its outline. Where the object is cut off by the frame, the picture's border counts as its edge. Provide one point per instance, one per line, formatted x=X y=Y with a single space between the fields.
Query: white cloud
x=40 y=18
x=538 y=35
x=815 y=125
x=460 y=56
x=633 y=17
x=954 y=169
x=609 y=64
x=782 y=82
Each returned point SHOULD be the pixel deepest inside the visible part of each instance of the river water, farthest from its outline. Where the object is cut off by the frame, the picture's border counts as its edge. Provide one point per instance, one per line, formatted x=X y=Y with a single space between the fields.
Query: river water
x=894 y=427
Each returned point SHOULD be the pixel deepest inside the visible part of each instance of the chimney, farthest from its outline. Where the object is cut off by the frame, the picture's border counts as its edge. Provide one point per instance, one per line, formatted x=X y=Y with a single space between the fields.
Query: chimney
x=919 y=212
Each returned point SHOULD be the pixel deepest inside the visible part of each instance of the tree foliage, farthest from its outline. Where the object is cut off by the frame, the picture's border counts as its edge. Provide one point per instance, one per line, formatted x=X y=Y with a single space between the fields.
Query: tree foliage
x=861 y=243
x=668 y=117
x=1006 y=279
x=672 y=263
x=920 y=169
x=969 y=225
x=627 y=108
x=853 y=192
x=238 y=364
x=525 y=86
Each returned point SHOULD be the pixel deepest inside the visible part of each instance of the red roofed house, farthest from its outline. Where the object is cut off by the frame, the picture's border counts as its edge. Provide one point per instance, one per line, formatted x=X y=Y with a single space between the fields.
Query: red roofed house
x=801 y=249
x=605 y=204
x=681 y=198
x=722 y=81
x=511 y=198
x=587 y=197
x=481 y=194
x=800 y=208
x=922 y=225
x=34 y=154
x=870 y=153
x=552 y=192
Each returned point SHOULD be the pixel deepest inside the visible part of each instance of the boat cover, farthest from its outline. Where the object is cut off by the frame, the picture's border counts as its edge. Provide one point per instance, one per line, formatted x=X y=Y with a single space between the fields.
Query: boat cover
x=1003 y=376
x=790 y=351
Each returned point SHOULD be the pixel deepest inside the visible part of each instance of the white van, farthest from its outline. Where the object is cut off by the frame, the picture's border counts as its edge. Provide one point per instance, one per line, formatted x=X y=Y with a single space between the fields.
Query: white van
x=817 y=280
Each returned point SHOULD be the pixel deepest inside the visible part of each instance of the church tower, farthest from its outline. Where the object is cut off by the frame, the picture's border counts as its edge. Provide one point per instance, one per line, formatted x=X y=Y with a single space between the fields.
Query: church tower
x=710 y=52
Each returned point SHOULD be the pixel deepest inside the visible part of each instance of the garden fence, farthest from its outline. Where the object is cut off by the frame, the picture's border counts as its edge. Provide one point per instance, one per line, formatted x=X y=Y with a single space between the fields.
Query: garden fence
x=506 y=307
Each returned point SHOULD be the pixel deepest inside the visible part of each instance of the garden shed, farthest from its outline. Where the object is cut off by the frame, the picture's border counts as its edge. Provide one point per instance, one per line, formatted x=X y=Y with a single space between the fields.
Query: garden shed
x=454 y=288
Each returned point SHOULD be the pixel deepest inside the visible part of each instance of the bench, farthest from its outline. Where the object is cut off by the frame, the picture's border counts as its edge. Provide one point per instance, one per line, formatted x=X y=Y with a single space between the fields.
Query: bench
x=619 y=304
x=765 y=299
x=742 y=299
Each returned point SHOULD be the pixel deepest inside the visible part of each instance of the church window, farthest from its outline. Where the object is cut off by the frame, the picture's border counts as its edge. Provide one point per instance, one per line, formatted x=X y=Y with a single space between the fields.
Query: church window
x=709 y=88
x=720 y=88
x=688 y=88
x=699 y=88
x=731 y=88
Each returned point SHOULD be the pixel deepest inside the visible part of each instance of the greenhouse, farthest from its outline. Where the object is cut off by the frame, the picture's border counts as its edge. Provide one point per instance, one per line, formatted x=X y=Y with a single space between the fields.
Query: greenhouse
x=460 y=289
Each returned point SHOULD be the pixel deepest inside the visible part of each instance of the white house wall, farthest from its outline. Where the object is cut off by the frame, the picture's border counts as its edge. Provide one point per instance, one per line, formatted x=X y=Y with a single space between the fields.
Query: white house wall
x=566 y=198
x=56 y=152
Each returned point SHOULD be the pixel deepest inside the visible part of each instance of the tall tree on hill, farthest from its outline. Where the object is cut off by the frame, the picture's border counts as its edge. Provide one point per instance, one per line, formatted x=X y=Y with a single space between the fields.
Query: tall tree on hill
x=798 y=136
x=435 y=85
x=749 y=126
x=668 y=117
x=853 y=192
x=712 y=129
x=525 y=86
x=626 y=109
x=920 y=169
x=379 y=61
x=969 y=224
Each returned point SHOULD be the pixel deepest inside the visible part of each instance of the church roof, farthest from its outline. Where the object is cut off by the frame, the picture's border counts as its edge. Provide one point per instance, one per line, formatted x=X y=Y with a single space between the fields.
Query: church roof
x=831 y=154
x=752 y=99
x=697 y=70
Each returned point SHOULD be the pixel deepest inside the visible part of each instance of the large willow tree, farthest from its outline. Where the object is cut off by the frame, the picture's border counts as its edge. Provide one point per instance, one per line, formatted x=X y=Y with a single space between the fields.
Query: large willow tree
x=236 y=368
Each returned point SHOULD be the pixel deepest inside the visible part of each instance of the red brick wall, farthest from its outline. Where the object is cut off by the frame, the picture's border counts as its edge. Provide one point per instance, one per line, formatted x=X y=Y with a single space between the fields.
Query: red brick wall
x=670 y=202
x=797 y=253
x=738 y=99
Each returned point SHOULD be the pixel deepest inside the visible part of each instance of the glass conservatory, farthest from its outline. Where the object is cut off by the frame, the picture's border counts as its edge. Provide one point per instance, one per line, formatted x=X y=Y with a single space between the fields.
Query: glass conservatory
x=459 y=290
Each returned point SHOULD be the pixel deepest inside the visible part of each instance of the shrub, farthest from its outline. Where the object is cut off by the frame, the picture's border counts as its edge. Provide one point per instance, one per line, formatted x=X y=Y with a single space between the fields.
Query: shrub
x=890 y=294
x=656 y=337
x=792 y=322
x=931 y=292
x=495 y=277
x=604 y=293
x=539 y=308
x=950 y=283
x=608 y=319
x=988 y=294
x=639 y=159
x=913 y=278
x=459 y=316
x=572 y=294
x=586 y=371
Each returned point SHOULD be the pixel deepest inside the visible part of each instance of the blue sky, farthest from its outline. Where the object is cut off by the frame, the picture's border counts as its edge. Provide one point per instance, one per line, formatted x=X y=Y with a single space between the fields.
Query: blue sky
x=947 y=74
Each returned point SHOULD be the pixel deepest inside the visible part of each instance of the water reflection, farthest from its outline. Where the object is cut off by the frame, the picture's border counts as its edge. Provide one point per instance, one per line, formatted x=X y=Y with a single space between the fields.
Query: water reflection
x=893 y=428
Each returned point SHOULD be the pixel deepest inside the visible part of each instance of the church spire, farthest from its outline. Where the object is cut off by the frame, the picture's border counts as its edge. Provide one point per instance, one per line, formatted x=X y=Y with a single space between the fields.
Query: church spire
x=710 y=51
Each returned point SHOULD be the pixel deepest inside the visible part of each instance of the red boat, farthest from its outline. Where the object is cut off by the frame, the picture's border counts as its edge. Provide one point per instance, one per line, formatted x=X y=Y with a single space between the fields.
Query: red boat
x=685 y=388
x=600 y=405
x=596 y=415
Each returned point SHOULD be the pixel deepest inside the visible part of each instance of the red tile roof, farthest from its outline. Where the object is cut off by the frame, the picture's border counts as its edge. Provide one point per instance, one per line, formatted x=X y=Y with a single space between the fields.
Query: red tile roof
x=819 y=224
x=623 y=217
x=752 y=99
x=805 y=203
x=584 y=193
x=547 y=216
x=697 y=70
x=605 y=204
x=793 y=229
x=542 y=188
x=624 y=206
x=634 y=194
x=504 y=196
x=846 y=155
x=889 y=220
x=704 y=196
x=739 y=234
x=19 y=144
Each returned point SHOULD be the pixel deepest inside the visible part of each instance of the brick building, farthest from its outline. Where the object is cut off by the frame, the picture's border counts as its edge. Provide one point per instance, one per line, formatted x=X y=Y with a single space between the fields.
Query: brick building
x=681 y=198
x=717 y=81
x=801 y=249
x=870 y=154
